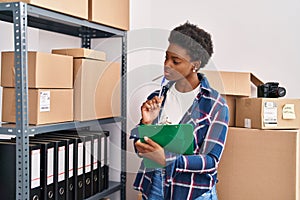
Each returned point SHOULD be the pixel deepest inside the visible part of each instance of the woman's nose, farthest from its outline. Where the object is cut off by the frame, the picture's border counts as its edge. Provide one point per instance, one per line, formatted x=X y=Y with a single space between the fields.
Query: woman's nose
x=168 y=63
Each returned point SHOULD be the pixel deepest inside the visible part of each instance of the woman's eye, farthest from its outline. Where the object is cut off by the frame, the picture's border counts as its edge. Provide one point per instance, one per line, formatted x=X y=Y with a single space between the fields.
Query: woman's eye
x=176 y=62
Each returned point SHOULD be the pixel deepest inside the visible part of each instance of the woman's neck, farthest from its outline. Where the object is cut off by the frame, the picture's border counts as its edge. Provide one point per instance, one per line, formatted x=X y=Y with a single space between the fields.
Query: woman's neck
x=187 y=84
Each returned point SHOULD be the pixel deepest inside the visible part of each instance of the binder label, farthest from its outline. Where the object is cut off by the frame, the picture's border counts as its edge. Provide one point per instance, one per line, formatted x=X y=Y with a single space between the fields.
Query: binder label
x=80 y=158
x=35 y=168
x=102 y=150
x=71 y=154
x=61 y=163
x=95 y=154
x=88 y=159
x=50 y=166
x=45 y=101
x=107 y=148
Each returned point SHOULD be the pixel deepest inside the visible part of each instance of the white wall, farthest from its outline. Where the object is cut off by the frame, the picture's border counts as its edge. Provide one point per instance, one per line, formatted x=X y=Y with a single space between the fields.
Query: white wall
x=258 y=36
x=261 y=36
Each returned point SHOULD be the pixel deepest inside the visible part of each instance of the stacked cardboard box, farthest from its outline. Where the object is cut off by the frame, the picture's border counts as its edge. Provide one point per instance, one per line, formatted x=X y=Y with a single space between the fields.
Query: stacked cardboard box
x=97 y=90
x=268 y=113
x=258 y=162
x=50 y=93
x=232 y=85
x=114 y=13
x=78 y=9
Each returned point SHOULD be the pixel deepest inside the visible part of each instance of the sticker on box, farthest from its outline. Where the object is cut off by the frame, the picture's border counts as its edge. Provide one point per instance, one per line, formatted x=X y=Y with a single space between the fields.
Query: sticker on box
x=288 y=111
x=45 y=101
x=270 y=114
x=247 y=123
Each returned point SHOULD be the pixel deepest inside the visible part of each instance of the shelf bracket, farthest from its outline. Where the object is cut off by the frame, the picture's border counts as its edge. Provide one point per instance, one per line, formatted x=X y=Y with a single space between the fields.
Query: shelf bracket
x=85 y=34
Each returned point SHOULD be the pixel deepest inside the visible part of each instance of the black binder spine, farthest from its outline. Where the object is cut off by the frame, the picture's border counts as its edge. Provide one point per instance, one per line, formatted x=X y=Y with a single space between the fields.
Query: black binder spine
x=95 y=165
x=35 y=172
x=106 y=160
x=88 y=166
x=80 y=170
x=8 y=170
x=71 y=167
x=47 y=168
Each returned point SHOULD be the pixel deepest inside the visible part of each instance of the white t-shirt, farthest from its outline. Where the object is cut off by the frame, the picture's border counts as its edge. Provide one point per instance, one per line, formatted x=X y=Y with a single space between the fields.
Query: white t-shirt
x=176 y=105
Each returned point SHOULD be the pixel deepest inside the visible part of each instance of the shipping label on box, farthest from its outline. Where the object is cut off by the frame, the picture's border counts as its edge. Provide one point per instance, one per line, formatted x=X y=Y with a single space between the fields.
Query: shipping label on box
x=270 y=114
x=45 y=101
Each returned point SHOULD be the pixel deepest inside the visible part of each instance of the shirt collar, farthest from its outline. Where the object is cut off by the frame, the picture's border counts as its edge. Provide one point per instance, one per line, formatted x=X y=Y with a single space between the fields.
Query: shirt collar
x=204 y=85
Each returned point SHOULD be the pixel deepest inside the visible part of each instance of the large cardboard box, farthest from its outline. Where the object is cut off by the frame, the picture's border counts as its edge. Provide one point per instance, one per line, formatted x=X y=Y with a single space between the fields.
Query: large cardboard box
x=45 y=70
x=97 y=89
x=114 y=13
x=78 y=9
x=268 y=113
x=81 y=53
x=44 y=105
x=260 y=164
x=232 y=85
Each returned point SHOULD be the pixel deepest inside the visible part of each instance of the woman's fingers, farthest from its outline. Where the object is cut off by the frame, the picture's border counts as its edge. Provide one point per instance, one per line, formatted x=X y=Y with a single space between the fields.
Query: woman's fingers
x=152 y=104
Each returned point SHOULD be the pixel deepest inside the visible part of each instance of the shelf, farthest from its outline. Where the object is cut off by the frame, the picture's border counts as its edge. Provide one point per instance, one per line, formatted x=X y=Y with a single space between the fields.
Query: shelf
x=60 y=23
x=22 y=15
x=113 y=187
x=9 y=128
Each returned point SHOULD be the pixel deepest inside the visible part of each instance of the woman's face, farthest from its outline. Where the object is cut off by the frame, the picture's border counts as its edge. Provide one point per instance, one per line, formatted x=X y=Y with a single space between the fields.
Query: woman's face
x=177 y=63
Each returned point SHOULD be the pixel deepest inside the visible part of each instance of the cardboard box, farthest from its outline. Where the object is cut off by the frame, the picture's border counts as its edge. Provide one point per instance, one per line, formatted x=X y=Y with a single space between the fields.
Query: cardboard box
x=81 y=53
x=78 y=9
x=232 y=83
x=114 y=13
x=44 y=105
x=231 y=101
x=45 y=70
x=268 y=113
x=97 y=89
x=259 y=164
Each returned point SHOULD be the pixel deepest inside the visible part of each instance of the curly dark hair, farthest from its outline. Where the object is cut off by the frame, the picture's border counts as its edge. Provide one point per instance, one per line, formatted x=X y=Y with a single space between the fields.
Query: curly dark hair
x=195 y=40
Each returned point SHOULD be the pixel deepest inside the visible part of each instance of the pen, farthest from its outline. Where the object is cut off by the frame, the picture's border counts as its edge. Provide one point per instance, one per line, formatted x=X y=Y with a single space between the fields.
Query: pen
x=163 y=83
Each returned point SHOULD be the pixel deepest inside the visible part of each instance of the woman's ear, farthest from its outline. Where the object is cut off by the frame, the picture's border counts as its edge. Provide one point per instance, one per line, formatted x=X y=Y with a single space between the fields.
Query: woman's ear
x=196 y=65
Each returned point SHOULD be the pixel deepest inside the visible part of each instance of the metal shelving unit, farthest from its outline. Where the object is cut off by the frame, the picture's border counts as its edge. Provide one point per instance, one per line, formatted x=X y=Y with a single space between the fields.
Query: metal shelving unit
x=22 y=15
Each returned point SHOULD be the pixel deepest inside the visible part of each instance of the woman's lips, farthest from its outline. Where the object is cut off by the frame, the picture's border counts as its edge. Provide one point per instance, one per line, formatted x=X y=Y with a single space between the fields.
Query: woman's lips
x=167 y=71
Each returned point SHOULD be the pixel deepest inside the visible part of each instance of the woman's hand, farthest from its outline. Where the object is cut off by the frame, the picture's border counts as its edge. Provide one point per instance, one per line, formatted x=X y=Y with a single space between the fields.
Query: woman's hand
x=151 y=150
x=150 y=110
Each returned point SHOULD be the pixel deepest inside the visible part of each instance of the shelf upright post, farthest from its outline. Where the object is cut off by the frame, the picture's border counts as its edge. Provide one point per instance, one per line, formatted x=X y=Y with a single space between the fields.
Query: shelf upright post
x=85 y=38
x=124 y=114
x=22 y=141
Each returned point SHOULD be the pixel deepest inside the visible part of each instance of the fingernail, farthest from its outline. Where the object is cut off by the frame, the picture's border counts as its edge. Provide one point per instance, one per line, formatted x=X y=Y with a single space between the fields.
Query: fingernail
x=146 y=138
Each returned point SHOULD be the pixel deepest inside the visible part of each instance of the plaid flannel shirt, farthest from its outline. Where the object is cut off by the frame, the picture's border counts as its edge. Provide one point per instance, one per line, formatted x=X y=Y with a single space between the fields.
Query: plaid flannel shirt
x=189 y=176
